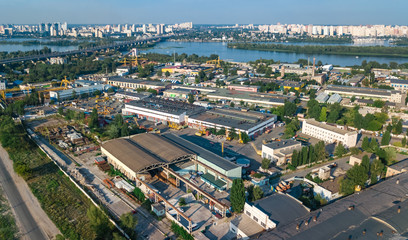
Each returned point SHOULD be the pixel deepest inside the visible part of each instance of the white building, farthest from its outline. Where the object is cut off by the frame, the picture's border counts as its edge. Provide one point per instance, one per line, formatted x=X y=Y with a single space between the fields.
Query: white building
x=360 y=92
x=66 y=94
x=280 y=152
x=251 y=222
x=3 y=85
x=328 y=133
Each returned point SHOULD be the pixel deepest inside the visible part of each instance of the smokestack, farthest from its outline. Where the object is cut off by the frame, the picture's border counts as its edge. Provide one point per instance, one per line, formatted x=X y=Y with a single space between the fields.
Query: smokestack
x=314 y=65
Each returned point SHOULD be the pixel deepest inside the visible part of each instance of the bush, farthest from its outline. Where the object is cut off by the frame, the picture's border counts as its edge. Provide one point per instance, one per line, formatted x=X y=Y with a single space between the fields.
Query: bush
x=182 y=202
x=180 y=231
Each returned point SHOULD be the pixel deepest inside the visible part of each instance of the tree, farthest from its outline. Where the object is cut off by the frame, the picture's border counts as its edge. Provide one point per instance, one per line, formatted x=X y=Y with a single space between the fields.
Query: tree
x=312 y=156
x=305 y=155
x=237 y=195
x=340 y=150
x=113 y=131
x=257 y=193
x=167 y=74
x=99 y=222
x=159 y=73
x=386 y=138
x=323 y=113
x=94 y=123
x=398 y=127
x=355 y=150
x=265 y=163
x=294 y=160
x=289 y=109
x=365 y=163
x=97 y=93
x=232 y=104
x=404 y=141
x=128 y=222
x=61 y=111
x=366 y=144
x=312 y=94
x=376 y=168
x=42 y=98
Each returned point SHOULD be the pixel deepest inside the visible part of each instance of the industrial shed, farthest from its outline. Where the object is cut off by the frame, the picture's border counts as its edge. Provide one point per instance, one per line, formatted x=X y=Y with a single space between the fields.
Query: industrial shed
x=143 y=152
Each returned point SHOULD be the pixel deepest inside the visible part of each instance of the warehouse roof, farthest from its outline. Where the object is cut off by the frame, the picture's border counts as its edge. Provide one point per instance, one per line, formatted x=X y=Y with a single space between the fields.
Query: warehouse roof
x=282 y=144
x=361 y=90
x=328 y=127
x=146 y=151
x=171 y=107
x=399 y=81
x=204 y=153
x=375 y=210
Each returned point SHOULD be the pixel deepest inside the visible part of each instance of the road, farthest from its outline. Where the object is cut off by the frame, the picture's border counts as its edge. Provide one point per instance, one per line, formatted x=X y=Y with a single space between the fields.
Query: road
x=29 y=228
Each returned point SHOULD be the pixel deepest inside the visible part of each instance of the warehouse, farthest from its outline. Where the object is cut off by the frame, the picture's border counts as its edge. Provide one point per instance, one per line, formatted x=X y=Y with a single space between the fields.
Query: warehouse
x=209 y=162
x=143 y=152
x=130 y=95
x=335 y=98
x=66 y=94
x=328 y=133
x=399 y=84
x=257 y=99
x=280 y=152
x=177 y=93
x=251 y=123
x=161 y=110
x=138 y=84
x=374 y=93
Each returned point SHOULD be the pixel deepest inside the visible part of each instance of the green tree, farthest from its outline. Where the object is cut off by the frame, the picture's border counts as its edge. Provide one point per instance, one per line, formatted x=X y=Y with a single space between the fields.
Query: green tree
x=373 y=145
x=376 y=169
x=340 y=150
x=42 y=98
x=386 y=138
x=289 y=109
x=404 y=141
x=167 y=74
x=305 y=155
x=265 y=163
x=159 y=73
x=365 y=163
x=94 y=122
x=128 y=222
x=257 y=193
x=323 y=113
x=61 y=111
x=190 y=98
x=398 y=127
x=294 y=160
x=366 y=144
x=99 y=222
x=113 y=131
x=237 y=195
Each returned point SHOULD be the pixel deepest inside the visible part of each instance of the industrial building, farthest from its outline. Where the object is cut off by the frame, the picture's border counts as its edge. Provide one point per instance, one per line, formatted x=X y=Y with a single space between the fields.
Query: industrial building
x=3 y=85
x=130 y=95
x=66 y=94
x=243 y=88
x=258 y=99
x=138 y=84
x=161 y=110
x=177 y=93
x=143 y=152
x=328 y=133
x=322 y=97
x=251 y=123
x=399 y=84
x=280 y=152
x=360 y=92
x=335 y=98
x=191 y=70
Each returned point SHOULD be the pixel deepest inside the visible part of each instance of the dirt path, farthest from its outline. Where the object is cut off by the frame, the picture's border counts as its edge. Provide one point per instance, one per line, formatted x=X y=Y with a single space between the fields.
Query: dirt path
x=47 y=227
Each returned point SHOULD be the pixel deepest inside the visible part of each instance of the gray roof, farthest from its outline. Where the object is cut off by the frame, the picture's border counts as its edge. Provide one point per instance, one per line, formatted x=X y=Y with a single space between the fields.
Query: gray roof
x=224 y=93
x=401 y=165
x=281 y=209
x=282 y=144
x=204 y=153
x=334 y=98
x=399 y=81
x=375 y=210
x=233 y=118
x=322 y=97
x=376 y=92
x=172 y=107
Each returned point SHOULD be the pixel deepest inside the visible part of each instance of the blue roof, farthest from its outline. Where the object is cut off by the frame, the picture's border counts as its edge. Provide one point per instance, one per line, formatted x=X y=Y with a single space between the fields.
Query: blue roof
x=18 y=82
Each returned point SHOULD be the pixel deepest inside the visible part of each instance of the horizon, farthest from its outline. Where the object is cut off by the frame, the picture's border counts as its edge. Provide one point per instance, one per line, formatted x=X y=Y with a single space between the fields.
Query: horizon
x=348 y=12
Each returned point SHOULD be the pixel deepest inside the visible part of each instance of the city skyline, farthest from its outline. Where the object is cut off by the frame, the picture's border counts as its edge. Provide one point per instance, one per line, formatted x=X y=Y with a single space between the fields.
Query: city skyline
x=210 y=12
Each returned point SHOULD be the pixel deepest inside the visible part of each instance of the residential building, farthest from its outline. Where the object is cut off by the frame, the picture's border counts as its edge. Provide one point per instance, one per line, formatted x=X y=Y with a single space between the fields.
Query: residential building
x=329 y=133
x=280 y=152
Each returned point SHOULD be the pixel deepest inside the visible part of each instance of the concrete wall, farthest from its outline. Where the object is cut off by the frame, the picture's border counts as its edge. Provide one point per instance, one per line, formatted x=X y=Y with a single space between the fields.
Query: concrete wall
x=258 y=216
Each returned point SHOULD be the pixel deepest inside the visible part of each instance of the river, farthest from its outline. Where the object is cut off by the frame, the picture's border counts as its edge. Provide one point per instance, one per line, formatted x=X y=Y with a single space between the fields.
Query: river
x=23 y=48
x=237 y=55
x=240 y=55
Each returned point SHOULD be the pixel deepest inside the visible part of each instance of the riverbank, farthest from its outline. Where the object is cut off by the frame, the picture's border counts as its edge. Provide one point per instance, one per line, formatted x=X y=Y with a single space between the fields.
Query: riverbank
x=369 y=51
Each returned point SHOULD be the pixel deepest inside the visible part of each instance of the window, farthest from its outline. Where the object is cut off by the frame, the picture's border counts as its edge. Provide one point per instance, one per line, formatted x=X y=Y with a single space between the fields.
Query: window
x=255 y=218
x=263 y=224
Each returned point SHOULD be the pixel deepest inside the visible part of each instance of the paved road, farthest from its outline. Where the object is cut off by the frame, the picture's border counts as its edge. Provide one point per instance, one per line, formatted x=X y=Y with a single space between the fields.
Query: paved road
x=30 y=228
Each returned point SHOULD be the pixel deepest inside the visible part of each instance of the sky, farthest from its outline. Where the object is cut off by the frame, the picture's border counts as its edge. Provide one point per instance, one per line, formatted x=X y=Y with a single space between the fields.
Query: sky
x=330 y=12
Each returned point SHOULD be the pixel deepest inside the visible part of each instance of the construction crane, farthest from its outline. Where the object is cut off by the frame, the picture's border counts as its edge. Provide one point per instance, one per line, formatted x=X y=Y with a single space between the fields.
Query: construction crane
x=65 y=82
x=216 y=62
x=134 y=58
x=11 y=90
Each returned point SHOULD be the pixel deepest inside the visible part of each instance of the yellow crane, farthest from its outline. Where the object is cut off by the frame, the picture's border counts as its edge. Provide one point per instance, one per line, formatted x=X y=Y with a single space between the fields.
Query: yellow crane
x=216 y=62
x=65 y=82
x=3 y=92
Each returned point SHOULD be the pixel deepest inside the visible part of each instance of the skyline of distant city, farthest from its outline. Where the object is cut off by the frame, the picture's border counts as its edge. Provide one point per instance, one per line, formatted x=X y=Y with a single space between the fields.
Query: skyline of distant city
x=347 y=12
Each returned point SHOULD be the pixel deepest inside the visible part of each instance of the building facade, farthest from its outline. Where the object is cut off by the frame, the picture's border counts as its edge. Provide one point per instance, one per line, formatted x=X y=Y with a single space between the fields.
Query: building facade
x=328 y=133
x=280 y=152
